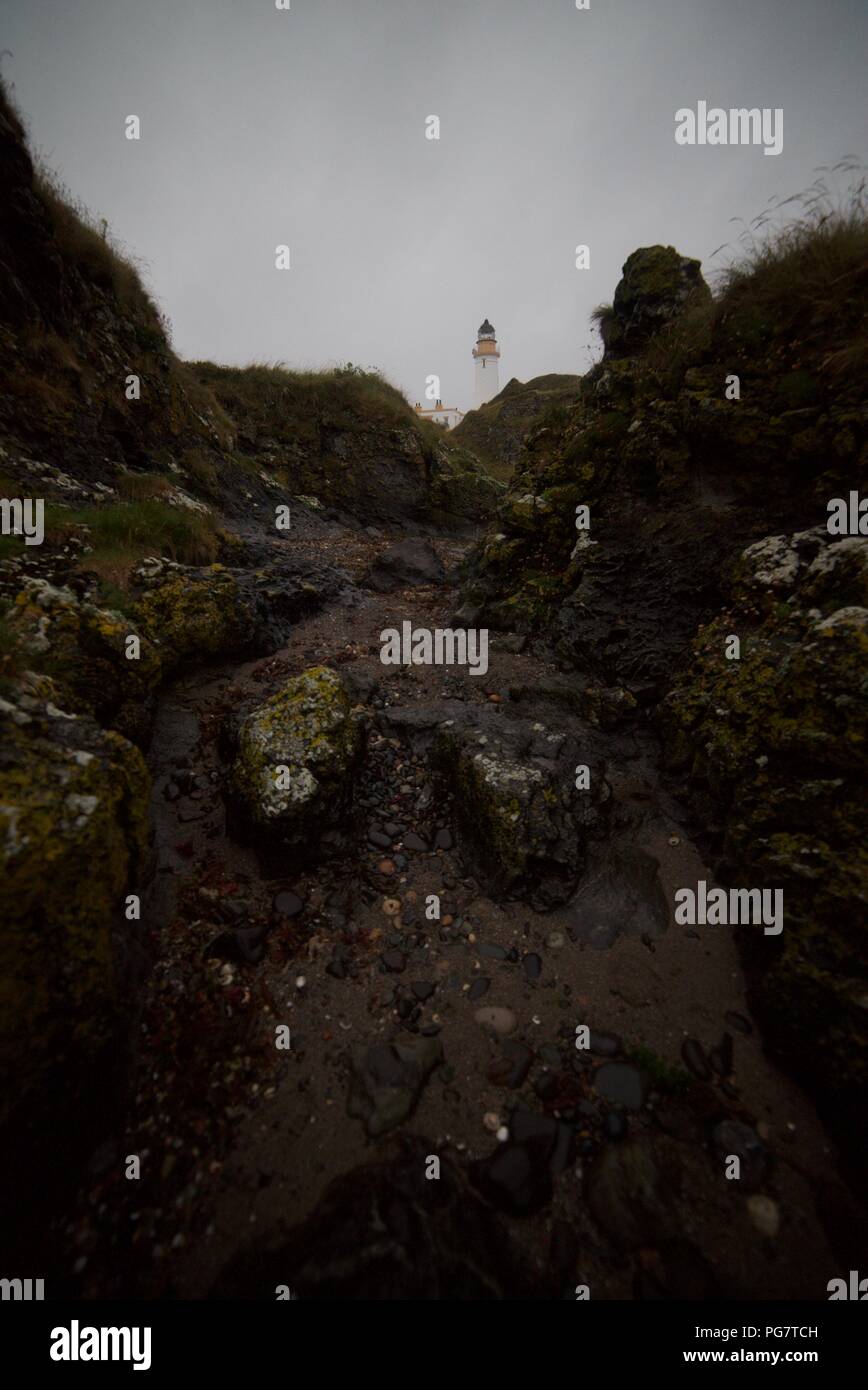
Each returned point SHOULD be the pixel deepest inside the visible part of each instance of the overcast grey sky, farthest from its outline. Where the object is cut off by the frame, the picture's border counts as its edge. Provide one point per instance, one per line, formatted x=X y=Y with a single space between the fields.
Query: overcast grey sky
x=307 y=127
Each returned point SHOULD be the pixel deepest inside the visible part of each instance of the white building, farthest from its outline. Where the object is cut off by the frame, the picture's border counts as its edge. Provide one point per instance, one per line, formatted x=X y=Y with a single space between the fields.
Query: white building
x=487 y=356
x=446 y=415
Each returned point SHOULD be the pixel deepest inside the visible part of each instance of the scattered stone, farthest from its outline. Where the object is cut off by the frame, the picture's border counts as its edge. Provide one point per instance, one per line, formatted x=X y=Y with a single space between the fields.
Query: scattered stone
x=546 y=1086
x=733 y=1137
x=415 y=843
x=387 y=1080
x=423 y=990
x=604 y=1044
x=395 y=961
x=443 y=839
x=532 y=966
x=500 y=1019
x=621 y=1084
x=288 y=904
x=512 y=1067
x=721 y=1056
x=492 y=952
x=695 y=1059
x=479 y=987
x=765 y=1215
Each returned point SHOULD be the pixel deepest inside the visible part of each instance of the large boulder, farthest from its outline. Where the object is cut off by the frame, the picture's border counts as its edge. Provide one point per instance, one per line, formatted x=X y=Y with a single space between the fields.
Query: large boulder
x=656 y=285
x=387 y=1080
x=193 y=614
x=521 y=820
x=73 y=839
x=407 y=564
x=292 y=776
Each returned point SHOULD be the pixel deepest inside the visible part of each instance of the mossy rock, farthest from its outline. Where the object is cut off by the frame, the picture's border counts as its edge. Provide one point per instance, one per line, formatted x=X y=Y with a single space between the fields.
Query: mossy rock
x=197 y=614
x=73 y=839
x=292 y=777
x=656 y=285
x=84 y=648
x=776 y=745
x=520 y=818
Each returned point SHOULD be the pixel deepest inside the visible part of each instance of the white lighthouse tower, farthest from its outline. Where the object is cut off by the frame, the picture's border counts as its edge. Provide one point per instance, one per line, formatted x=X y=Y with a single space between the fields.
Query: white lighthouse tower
x=487 y=356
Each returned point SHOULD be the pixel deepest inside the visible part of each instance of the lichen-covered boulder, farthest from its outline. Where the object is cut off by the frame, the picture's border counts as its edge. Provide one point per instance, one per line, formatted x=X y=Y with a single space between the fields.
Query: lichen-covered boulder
x=73 y=839
x=656 y=284
x=521 y=820
x=193 y=614
x=87 y=651
x=776 y=748
x=292 y=776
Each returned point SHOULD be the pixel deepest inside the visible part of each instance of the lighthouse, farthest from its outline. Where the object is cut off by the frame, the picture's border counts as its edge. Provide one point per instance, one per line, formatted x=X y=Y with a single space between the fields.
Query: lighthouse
x=487 y=355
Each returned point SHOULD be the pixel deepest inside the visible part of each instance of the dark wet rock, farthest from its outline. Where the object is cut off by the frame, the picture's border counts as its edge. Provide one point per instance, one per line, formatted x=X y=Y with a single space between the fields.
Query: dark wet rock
x=394 y=960
x=721 y=1056
x=532 y=966
x=546 y=1086
x=337 y=969
x=520 y=819
x=695 y=1060
x=479 y=987
x=376 y=837
x=406 y=564
x=443 y=839
x=384 y=1231
x=251 y=943
x=287 y=904
x=492 y=951
x=620 y=893
x=527 y=1127
x=414 y=842
x=604 y=1044
x=512 y=1067
x=632 y=1193
x=621 y=1084
x=515 y=1178
x=732 y=1138
x=387 y=1080
x=423 y=990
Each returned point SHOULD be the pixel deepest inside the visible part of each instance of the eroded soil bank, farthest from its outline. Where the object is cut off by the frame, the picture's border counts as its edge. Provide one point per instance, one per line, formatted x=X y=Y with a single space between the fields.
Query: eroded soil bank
x=414 y=1037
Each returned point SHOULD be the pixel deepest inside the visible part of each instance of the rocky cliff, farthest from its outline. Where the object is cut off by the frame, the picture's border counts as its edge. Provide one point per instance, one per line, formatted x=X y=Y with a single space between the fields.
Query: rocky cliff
x=681 y=500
